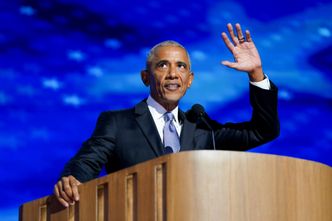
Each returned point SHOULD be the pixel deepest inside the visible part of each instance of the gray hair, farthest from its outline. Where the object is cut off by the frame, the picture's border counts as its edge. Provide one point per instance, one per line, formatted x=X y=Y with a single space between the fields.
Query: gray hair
x=152 y=51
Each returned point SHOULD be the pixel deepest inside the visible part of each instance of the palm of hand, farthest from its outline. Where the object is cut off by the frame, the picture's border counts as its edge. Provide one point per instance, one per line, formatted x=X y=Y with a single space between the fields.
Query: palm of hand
x=246 y=57
x=245 y=54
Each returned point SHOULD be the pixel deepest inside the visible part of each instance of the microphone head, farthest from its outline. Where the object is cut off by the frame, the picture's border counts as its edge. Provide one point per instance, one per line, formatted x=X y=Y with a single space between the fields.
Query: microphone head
x=196 y=112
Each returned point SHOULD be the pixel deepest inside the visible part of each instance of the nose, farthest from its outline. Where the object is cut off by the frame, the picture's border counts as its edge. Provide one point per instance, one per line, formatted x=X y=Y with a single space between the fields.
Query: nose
x=172 y=73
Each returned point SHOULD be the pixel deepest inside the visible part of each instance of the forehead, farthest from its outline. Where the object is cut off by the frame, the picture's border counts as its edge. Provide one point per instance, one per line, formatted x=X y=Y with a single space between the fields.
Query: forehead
x=170 y=53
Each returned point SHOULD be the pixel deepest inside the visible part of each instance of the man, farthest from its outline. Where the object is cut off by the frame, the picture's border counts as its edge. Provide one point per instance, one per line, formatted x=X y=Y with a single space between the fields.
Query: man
x=157 y=126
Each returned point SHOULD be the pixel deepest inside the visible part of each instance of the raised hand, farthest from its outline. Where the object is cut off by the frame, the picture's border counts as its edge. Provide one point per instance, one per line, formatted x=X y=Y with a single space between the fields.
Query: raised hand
x=246 y=56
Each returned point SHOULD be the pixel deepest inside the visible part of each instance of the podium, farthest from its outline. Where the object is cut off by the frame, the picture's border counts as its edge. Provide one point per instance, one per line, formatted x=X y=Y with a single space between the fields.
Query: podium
x=200 y=186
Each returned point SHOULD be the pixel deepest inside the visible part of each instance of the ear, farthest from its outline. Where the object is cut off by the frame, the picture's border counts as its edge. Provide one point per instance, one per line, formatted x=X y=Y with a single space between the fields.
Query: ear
x=191 y=78
x=145 y=77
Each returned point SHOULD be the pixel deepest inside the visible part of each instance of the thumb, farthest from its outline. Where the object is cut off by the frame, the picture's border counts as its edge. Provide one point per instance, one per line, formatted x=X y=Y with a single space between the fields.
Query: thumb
x=229 y=64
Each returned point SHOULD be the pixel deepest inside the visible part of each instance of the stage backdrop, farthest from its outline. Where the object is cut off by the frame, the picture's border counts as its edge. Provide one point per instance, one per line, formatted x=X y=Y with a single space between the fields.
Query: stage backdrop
x=63 y=62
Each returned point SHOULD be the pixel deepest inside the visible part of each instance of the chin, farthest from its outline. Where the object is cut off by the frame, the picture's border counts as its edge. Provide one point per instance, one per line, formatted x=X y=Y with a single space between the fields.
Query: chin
x=172 y=99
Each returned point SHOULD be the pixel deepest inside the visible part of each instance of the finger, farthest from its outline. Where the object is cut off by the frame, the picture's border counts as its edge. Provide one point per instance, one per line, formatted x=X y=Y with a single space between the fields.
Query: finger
x=231 y=33
x=67 y=187
x=74 y=183
x=227 y=42
x=57 y=194
x=63 y=194
x=239 y=33
x=56 y=191
x=63 y=202
x=248 y=36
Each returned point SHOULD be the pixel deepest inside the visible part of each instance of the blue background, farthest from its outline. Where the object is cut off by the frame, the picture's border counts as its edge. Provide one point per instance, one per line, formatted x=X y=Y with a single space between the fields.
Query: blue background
x=63 y=62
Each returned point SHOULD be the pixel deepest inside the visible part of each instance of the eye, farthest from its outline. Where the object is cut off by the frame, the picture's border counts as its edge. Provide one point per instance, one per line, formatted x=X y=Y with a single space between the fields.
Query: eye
x=182 y=65
x=162 y=65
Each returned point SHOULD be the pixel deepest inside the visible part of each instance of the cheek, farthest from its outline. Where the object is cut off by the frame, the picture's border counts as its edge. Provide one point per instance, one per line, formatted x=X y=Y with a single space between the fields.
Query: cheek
x=187 y=80
x=158 y=78
x=156 y=81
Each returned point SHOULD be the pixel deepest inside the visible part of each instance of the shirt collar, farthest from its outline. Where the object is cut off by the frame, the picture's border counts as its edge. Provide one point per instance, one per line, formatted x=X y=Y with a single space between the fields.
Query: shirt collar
x=158 y=111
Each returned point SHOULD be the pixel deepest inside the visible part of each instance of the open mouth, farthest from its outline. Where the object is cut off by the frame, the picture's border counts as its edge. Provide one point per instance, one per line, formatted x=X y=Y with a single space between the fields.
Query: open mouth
x=172 y=86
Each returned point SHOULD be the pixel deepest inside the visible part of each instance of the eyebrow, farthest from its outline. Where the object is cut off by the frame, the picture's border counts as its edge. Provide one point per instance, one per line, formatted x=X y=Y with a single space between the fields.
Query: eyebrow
x=162 y=61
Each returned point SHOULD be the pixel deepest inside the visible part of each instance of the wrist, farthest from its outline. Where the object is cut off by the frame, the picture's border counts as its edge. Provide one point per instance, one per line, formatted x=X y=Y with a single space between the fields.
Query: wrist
x=256 y=75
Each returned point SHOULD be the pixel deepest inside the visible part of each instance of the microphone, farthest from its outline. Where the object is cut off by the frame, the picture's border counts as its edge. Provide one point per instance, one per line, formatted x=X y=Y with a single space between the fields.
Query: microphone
x=197 y=113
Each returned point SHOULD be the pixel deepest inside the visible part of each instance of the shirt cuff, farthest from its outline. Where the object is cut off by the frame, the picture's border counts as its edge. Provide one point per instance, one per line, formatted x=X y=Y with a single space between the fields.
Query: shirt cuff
x=264 y=84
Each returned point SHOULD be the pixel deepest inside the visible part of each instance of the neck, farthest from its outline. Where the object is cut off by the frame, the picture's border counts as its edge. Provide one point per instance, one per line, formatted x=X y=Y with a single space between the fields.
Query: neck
x=169 y=106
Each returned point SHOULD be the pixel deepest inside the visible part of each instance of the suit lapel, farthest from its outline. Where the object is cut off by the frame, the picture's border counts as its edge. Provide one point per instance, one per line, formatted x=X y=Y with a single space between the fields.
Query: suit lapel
x=187 y=133
x=149 y=129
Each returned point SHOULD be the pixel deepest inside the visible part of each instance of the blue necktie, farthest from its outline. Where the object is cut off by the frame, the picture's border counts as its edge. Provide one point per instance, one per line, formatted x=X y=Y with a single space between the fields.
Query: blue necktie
x=171 y=137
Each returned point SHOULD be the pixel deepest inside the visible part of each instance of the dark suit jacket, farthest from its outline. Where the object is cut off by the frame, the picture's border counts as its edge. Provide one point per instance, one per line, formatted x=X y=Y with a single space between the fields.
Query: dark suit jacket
x=127 y=137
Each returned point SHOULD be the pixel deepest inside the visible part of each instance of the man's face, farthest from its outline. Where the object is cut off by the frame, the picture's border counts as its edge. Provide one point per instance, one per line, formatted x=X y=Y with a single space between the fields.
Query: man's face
x=169 y=75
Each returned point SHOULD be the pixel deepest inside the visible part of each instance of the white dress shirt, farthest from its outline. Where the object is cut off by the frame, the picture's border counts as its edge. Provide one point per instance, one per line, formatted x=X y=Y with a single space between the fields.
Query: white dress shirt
x=264 y=84
x=157 y=111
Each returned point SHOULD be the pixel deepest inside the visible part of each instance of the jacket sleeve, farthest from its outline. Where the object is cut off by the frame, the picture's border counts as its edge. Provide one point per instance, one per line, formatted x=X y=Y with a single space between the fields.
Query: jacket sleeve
x=95 y=152
x=262 y=128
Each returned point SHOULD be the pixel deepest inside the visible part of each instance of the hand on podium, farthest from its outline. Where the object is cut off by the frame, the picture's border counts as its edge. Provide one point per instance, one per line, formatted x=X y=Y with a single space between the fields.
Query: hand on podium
x=66 y=190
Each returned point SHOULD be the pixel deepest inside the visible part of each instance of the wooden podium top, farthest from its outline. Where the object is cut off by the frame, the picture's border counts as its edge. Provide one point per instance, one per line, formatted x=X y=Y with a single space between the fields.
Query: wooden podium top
x=201 y=185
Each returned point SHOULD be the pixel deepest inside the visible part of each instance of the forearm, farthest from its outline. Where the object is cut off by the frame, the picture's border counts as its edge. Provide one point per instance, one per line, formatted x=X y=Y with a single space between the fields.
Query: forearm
x=90 y=159
x=265 y=121
x=263 y=126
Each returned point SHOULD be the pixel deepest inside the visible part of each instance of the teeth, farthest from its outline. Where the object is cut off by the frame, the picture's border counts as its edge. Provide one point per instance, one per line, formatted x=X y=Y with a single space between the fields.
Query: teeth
x=172 y=86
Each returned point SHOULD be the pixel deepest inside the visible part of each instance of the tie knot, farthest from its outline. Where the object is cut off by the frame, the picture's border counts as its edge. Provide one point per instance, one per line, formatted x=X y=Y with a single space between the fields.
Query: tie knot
x=168 y=116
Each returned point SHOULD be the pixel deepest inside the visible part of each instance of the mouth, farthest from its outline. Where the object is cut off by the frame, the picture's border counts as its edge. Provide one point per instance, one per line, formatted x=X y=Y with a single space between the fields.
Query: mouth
x=172 y=86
